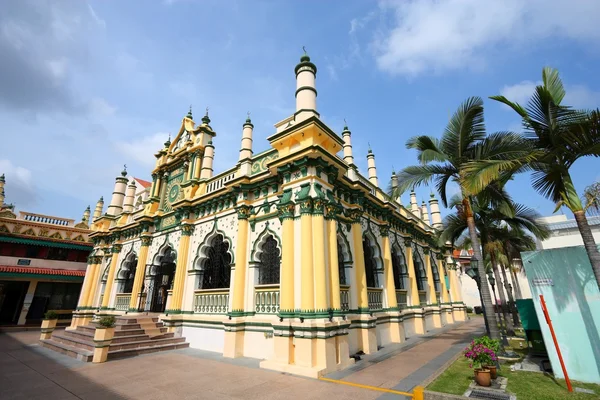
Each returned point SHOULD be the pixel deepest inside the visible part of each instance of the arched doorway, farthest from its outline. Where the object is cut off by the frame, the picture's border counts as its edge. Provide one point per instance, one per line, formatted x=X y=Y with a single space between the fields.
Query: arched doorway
x=270 y=262
x=216 y=266
x=161 y=280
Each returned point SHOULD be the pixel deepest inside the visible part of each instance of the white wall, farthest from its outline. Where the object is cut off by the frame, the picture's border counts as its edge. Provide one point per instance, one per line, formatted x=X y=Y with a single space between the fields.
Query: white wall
x=470 y=293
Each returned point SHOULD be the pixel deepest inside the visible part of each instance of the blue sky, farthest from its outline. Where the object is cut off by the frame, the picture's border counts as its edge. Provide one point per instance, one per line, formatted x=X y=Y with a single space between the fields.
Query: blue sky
x=86 y=87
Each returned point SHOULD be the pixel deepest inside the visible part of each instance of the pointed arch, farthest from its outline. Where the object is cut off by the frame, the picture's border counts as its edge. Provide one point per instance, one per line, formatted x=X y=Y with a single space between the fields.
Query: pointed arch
x=260 y=240
x=214 y=261
x=420 y=271
x=126 y=272
x=399 y=267
x=166 y=253
x=266 y=256
x=372 y=257
x=205 y=244
x=436 y=274
x=344 y=257
x=106 y=269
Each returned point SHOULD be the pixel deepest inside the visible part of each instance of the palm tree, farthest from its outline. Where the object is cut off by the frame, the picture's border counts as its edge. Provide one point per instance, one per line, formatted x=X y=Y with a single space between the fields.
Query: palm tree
x=591 y=196
x=464 y=140
x=557 y=136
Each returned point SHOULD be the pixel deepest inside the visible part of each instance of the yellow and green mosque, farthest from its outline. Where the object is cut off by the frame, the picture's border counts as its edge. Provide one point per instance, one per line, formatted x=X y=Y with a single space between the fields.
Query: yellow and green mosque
x=291 y=256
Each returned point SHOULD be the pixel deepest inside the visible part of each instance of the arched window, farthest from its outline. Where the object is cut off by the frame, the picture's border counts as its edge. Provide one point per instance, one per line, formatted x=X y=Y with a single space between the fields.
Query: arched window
x=126 y=274
x=400 y=271
x=370 y=264
x=436 y=275
x=270 y=262
x=341 y=265
x=420 y=272
x=216 y=267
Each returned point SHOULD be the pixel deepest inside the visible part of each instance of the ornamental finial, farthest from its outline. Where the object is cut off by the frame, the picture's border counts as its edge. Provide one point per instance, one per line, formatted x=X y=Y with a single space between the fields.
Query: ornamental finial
x=304 y=49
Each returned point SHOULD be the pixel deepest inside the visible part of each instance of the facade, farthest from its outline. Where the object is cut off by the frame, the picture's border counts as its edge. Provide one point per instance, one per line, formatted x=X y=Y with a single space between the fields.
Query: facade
x=290 y=256
x=564 y=232
x=42 y=264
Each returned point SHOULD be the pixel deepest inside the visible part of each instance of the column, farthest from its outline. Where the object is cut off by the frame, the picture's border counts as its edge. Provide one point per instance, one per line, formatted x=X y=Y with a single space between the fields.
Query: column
x=89 y=302
x=412 y=276
x=87 y=280
x=181 y=268
x=334 y=273
x=157 y=185
x=440 y=265
x=307 y=300
x=318 y=229
x=140 y=271
x=430 y=282
x=116 y=249
x=359 y=262
x=286 y=287
x=241 y=262
x=197 y=165
x=388 y=271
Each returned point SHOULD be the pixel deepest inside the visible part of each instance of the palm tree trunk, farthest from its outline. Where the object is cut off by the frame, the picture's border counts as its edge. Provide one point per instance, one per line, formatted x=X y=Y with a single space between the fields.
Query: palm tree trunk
x=503 y=305
x=516 y=283
x=511 y=301
x=485 y=290
x=589 y=243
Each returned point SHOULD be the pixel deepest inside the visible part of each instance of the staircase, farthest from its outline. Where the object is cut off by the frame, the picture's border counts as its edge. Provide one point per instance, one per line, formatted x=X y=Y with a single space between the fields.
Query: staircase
x=134 y=335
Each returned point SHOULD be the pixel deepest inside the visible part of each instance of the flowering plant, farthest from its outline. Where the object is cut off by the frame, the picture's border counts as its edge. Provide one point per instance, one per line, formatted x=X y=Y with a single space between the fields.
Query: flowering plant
x=479 y=355
x=492 y=344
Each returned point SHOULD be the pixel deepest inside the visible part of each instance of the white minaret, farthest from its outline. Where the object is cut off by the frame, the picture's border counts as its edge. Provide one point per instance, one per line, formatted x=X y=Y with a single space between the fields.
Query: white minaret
x=246 y=148
x=129 y=197
x=306 y=91
x=207 y=161
x=414 y=206
x=348 y=157
x=86 y=215
x=2 y=182
x=424 y=213
x=436 y=216
x=116 y=202
x=372 y=170
x=395 y=186
x=99 y=208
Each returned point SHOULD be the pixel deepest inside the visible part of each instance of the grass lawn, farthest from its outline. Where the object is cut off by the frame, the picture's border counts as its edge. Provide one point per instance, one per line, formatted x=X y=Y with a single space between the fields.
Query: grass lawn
x=526 y=385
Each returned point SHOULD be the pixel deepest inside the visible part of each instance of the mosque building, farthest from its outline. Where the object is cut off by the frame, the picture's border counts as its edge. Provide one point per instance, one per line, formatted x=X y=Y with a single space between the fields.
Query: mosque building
x=290 y=256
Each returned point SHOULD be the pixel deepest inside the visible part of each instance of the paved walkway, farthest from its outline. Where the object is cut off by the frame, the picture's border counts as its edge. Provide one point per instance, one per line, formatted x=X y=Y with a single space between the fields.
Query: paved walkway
x=28 y=371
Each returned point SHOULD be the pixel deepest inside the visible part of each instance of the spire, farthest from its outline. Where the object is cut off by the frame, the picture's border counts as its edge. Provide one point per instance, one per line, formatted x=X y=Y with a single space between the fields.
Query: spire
x=395 y=185
x=372 y=170
x=306 y=91
x=206 y=119
x=124 y=172
x=2 y=182
x=129 y=197
x=86 y=216
x=206 y=171
x=189 y=114
x=436 y=216
x=346 y=134
x=246 y=146
x=168 y=142
x=116 y=202
x=99 y=207
x=414 y=206
x=424 y=213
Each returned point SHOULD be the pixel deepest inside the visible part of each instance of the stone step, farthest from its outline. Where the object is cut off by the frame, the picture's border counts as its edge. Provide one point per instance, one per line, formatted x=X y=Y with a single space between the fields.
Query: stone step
x=74 y=342
x=79 y=334
x=74 y=352
x=145 y=343
x=112 y=355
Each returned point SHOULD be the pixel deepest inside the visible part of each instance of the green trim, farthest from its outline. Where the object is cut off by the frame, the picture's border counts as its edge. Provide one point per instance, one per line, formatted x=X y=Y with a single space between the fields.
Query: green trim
x=38 y=242
x=241 y=314
x=301 y=88
x=41 y=276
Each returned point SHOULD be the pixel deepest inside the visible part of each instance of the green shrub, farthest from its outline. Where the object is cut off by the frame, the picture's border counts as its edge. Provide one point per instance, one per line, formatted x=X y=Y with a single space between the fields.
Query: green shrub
x=50 y=315
x=107 y=322
x=470 y=310
x=492 y=344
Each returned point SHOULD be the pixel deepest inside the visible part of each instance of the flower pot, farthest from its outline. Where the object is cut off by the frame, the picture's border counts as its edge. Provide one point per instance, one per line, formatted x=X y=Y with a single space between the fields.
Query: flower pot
x=47 y=328
x=483 y=377
x=493 y=372
x=104 y=334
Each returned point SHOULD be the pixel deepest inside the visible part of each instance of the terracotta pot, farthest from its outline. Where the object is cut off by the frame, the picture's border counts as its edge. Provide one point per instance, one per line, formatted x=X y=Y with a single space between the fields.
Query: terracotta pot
x=493 y=372
x=483 y=377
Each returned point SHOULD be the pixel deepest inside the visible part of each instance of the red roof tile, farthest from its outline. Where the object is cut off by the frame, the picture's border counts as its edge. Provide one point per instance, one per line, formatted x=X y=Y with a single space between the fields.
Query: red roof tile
x=41 y=271
x=144 y=183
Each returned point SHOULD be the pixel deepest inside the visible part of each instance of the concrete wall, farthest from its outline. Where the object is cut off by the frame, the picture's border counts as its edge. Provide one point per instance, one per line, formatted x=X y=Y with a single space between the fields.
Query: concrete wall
x=471 y=294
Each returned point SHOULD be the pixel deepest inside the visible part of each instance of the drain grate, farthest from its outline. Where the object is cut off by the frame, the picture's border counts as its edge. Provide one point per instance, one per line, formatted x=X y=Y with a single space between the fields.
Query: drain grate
x=488 y=395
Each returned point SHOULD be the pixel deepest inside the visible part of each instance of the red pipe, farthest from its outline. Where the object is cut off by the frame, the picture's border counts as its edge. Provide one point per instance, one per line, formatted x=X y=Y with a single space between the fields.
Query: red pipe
x=562 y=363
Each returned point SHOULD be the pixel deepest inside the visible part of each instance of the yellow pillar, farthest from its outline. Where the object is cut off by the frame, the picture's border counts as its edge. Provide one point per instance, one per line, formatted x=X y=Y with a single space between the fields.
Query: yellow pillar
x=116 y=249
x=197 y=166
x=334 y=273
x=140 y=270
x=94 y=284
x=359 y=262
x=85 y=288
x=307 y=299
x=320 y=278
x=388 y=271
x=430 y=282
x=443 y=281
x=157 y=185
x=412 y=276
x=241 y=251
x=181 y=268
x=286 y=289
x=454 y=290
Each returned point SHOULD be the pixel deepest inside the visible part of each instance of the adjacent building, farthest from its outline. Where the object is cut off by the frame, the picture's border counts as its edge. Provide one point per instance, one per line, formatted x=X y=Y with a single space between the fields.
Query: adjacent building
x=565 y=233
x=43 y=260
x=291 y=255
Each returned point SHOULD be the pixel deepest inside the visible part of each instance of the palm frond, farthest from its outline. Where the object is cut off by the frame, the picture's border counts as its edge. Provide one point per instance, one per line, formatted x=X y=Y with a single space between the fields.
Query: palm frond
x=428 y=149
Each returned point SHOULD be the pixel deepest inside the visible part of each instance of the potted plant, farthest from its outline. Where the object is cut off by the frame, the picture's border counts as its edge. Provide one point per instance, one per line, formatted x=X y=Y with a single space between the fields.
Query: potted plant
x=480 y=356
x=48 y=324
x=105 y=331
x=493 y=345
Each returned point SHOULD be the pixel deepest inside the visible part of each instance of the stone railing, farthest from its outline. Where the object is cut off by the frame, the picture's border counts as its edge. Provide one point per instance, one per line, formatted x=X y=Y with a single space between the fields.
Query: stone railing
x=402 y=298
x=122 y=301
x=345 y=298
x=375 y=296
x=219 y=181
x=211 y=301
x=422 y=297
x=46 y=219
x=266 y=299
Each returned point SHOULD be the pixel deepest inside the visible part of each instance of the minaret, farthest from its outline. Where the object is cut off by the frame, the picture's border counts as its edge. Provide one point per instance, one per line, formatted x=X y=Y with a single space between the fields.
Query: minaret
x=424 y=213
x=129 y=197
x=436 y=216
x=372 y=170
x=207 y=161
x=98 y=209
x=395 y=186
x=2 y=182
x=86 y=216
x=414 y=206
x=116 y=202
x=348 y=157
x=246 y=148
x=189 y=114
x=306 y=92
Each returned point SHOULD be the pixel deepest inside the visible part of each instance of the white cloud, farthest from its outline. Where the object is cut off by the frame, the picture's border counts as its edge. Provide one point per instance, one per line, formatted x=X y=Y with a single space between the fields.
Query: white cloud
x=100 y=107
x=58 y=68
x=520 y=92
x=578 y=96
x=142 y=149
x=19 y=188
x=434 y=36
x=98 y=20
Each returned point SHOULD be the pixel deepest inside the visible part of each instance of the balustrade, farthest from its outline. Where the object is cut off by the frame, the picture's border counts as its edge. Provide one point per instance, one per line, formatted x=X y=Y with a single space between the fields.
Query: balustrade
x=422 y=297
x=122 y=301
x=211 y=301
x=345 y=298
x=375 y=296
x=219 y=181
x=401 y=298
x=266 y=299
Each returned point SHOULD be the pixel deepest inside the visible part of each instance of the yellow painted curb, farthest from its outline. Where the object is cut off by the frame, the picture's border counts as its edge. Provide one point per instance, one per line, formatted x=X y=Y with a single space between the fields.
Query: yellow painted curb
x=367 y=387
